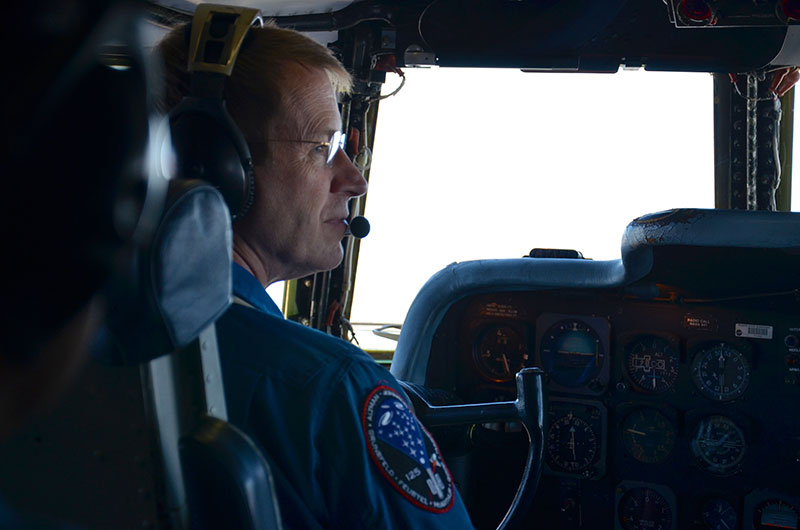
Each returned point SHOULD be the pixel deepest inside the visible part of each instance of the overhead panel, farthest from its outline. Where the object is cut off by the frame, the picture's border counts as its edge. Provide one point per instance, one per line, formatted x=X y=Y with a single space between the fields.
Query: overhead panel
x=590 y=36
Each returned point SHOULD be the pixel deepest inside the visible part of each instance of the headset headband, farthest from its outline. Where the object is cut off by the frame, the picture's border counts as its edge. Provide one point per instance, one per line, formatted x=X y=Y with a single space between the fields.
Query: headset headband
x=217 y=35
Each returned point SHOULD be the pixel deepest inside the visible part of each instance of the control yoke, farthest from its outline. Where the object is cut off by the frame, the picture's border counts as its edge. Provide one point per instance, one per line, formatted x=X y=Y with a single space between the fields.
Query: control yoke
x=527 y=409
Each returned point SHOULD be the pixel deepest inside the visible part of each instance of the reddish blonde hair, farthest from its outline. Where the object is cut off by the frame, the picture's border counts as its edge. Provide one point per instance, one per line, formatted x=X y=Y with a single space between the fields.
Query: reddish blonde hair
x=254 y=94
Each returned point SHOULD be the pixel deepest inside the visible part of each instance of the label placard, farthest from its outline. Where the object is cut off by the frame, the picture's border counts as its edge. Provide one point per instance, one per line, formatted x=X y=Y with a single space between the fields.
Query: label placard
x=700 y=322
x=754 y=331
x=496 y=309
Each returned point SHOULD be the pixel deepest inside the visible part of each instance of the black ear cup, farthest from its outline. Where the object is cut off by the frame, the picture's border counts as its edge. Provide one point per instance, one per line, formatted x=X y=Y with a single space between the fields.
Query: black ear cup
x=208 y=146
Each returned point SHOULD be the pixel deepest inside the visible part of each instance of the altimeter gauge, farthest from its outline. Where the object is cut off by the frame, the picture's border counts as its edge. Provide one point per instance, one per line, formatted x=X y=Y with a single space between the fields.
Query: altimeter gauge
x=651 y=364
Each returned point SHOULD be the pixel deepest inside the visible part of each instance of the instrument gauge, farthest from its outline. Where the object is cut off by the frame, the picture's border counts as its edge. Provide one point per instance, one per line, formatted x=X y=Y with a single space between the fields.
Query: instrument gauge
x=648 y=436
x=500 y=353
x=651 y=363
x=719 y=514
x=643 y=508
x=718 y=445
x=574 y=438
x=572 y=444
x=572 y=353
x=775 y=513
x=721 y=372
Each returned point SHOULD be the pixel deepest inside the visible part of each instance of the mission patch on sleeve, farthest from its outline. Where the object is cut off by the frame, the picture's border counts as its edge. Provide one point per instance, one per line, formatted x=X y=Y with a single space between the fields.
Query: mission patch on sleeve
x=405 y=452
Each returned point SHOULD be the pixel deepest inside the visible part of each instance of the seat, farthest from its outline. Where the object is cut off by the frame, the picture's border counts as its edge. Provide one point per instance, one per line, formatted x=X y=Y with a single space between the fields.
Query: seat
x=215 y=476
x=142 y=441
x=228 y=482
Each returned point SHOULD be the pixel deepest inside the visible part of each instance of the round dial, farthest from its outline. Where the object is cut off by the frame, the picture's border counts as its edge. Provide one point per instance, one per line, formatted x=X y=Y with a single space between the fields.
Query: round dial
x=718 y=445
x=719 y=514
x=572 y=444
x=721 y=372
x=775 y=513
x=500 y=354
x=572 y=353
x=648 y=436
x=644 y=509
x=651 y=363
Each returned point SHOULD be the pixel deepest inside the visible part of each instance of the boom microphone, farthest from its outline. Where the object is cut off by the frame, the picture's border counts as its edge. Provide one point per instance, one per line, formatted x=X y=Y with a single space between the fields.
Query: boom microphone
x=358 y=227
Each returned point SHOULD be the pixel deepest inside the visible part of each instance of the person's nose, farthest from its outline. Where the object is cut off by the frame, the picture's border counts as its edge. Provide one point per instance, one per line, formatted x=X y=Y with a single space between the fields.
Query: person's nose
x=347 y=179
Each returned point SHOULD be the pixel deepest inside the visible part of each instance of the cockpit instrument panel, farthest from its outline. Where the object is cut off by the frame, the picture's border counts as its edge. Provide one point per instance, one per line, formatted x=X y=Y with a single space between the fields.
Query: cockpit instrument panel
x=661 y=413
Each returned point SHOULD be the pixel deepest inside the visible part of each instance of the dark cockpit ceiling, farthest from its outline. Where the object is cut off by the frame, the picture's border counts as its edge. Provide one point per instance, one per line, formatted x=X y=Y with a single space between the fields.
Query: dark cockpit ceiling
x=580 y=35
x=587 y=35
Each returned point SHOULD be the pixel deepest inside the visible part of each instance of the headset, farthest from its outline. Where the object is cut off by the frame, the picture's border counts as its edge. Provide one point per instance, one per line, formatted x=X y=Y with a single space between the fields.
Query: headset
x=207 y=143
x=83 y=161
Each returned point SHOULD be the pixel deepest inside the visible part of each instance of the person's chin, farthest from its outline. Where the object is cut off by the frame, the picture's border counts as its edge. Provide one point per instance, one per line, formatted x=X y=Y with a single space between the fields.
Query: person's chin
x=334 y=257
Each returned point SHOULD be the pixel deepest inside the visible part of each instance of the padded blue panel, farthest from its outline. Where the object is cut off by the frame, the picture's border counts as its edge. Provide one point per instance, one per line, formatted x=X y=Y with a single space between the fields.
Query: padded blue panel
x=673 y=228
x=190 y=265
x=708 y=228
x=180 y=284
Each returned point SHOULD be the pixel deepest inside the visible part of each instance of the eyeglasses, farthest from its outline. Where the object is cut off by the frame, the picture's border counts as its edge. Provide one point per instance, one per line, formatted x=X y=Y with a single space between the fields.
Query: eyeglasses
x=336 y=142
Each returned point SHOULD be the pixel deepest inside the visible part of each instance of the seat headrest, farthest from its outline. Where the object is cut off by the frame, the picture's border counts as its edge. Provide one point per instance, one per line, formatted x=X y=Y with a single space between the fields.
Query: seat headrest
x=179 y=285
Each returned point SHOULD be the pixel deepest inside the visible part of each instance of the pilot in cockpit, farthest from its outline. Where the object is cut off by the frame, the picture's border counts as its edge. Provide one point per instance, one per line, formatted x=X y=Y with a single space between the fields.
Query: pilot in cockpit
x=346 y=450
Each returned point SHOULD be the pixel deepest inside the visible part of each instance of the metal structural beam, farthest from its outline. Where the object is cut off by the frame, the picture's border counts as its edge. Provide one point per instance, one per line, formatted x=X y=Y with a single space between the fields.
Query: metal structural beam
x=748 y=144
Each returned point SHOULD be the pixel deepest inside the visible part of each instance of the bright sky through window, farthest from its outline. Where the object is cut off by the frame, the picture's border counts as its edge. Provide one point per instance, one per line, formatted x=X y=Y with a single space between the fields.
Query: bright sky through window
x=472 y=164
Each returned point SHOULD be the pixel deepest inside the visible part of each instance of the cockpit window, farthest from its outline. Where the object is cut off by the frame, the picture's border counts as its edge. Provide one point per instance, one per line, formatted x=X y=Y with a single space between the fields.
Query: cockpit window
x=472 y=164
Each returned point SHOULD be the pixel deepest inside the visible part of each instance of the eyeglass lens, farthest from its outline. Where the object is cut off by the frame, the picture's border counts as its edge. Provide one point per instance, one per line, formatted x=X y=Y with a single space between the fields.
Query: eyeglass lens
x=336 y=143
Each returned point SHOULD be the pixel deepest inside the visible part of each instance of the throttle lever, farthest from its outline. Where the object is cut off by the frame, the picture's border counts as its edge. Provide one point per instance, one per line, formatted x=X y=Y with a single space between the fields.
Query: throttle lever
x=528 y=409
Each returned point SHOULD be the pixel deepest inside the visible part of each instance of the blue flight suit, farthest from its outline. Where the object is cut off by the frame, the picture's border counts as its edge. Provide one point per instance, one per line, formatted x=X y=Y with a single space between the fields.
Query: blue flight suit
x=345 y=450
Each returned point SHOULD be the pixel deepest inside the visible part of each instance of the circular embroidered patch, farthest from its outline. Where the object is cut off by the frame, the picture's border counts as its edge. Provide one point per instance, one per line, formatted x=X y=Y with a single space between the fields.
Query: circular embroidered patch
x=405 y=452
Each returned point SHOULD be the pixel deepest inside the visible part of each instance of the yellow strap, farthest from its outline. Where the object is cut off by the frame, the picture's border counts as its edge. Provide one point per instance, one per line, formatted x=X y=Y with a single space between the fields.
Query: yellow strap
x=225 y=47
